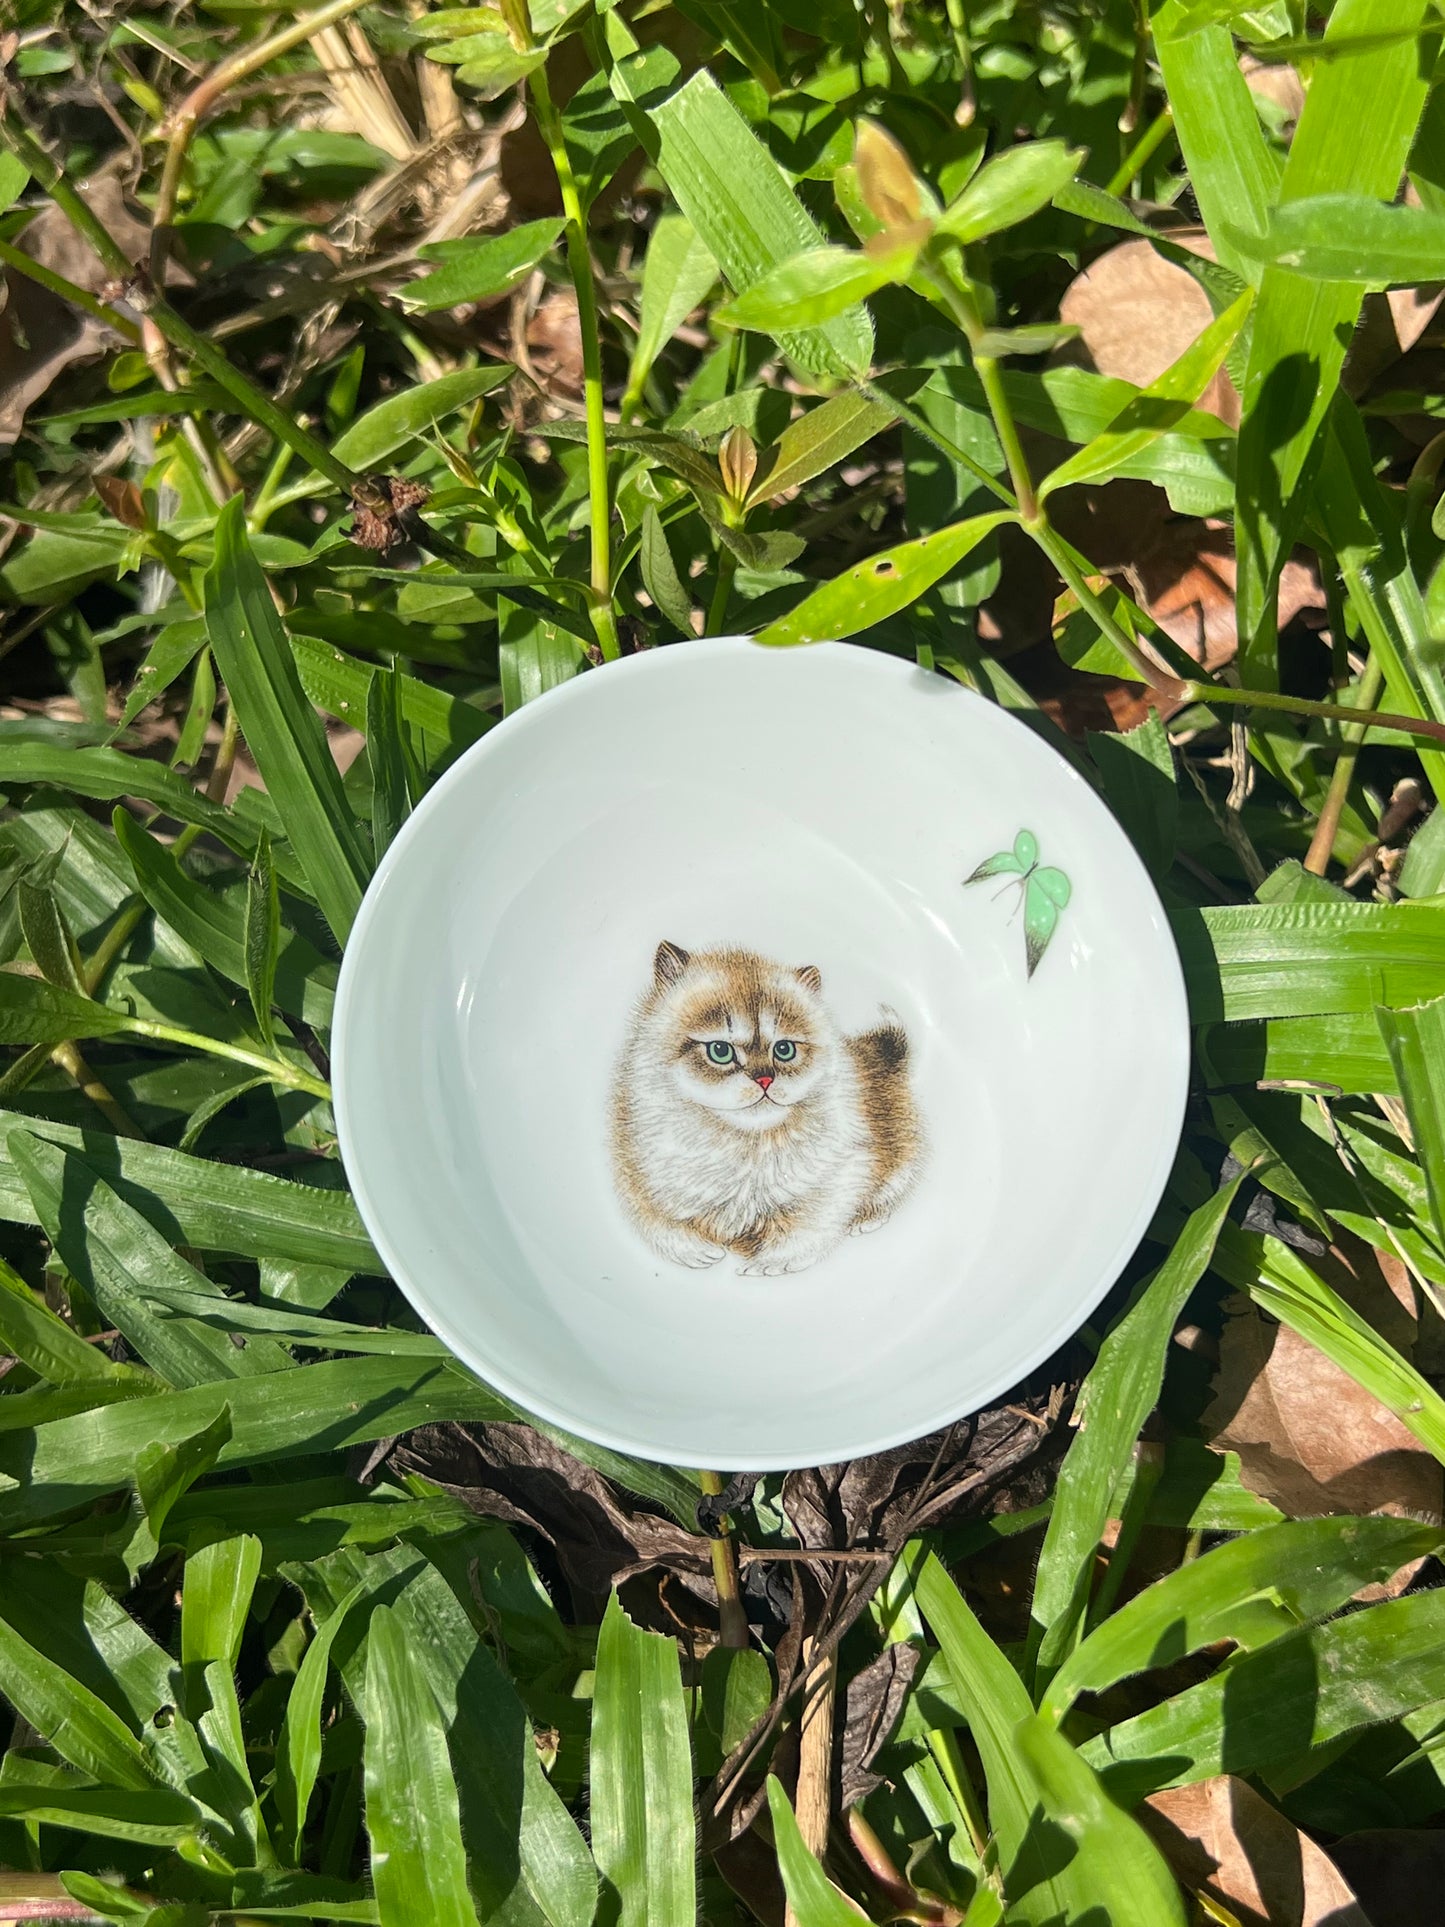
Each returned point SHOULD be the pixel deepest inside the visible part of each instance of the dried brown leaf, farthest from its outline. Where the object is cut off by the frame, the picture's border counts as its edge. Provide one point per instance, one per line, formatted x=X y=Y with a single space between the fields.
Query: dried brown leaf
x=1308 y=1437
x=871 y=1708
x=1224 y=1840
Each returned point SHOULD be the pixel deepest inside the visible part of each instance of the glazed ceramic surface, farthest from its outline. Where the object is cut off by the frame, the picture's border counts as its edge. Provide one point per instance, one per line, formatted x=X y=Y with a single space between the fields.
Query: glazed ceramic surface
x=752 y=1058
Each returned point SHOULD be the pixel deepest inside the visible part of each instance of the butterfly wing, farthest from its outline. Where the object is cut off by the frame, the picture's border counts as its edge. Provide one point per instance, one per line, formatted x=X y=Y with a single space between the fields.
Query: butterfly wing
x=1041 y=917
x=1054 y=884
x=1026 y=849
x=1004 y=864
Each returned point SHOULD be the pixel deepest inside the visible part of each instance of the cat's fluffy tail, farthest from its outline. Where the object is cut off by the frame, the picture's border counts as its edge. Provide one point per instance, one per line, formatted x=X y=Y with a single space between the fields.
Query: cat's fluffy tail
x=886 y=1048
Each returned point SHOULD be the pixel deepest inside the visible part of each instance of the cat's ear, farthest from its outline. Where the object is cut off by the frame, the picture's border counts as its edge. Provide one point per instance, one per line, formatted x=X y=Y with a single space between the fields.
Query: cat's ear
x=810 y=977
x=669 y=963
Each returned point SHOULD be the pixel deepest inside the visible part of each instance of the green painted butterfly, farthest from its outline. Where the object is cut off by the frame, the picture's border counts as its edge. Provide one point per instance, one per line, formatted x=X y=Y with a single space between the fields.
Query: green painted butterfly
x=1045 y=891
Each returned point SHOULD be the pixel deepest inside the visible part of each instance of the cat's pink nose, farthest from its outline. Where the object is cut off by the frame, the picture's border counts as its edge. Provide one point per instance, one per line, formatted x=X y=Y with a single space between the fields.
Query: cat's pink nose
x=762 y=1082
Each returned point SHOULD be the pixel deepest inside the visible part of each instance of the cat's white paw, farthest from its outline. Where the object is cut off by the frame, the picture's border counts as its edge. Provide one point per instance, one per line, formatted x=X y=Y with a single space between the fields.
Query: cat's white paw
x=699 y=1257
x=778 y=1264
x=865 y=1225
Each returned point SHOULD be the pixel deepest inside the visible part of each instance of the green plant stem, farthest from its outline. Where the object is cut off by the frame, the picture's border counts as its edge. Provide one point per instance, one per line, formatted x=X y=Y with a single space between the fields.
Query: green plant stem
x=1211 y=693
x=181 y=125
x=732 y=1619
x=70 y=1060
x=727 y=568
x=966 y=314
x=1322 y=843
x=273 y=1067
x=67 y=290
x=1139 y=71
x=948 y=1756
x=149 y=302
x=1142 y=152
x=958 y=27
x=579 y=263
x=921 y=426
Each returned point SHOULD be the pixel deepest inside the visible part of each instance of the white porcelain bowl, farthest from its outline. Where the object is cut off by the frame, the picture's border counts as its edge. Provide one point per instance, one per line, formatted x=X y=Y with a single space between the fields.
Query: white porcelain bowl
x=577 y=1131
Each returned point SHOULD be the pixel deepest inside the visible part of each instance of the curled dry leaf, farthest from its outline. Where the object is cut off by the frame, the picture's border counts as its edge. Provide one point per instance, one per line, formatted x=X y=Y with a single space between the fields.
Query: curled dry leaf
x=1225 y=1841
x=872 y=1705
x=1136 y=313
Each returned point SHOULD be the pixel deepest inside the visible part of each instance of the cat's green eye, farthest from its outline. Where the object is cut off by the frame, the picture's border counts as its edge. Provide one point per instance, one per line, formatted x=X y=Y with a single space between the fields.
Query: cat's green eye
x=719 y=1053
x=784 y=1051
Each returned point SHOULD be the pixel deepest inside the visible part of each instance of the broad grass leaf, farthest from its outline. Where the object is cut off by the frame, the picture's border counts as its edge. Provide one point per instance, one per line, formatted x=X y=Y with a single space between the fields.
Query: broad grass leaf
x=164 y=1473
x=117 y=1256
x=677 y=273
x=108 y=774
x=341 y=685
x=215 y=925
x=1305 y=959
x=280 y=726
x=1267 y=1711
x=69 y=1716
x=1157 y=408
x=335 y=1334
x=219 y=1582
x=155 y=1816
x=1250 y=1591
x=383 y=431
x=395 y=782
x=643 y=1831
x=1347 y=237
x=214 y=1207
x=298 y=1750
x=47 y=936
x=736 y=198
x=1233 y=174
x=814 y=287
x=33 y=1333
x=1009 y=188
x=1353 y=137
x=526 y=1859
x=476 y=269
x=865 y=594
x=418 y=1863
x=1116 y=1870
x=813 y=1900
x=533 y=655
x=1117 y=1396
x=69 y=1461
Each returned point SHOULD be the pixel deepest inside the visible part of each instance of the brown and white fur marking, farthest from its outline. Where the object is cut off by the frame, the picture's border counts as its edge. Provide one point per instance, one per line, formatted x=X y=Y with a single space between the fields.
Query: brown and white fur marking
x=743 y=1120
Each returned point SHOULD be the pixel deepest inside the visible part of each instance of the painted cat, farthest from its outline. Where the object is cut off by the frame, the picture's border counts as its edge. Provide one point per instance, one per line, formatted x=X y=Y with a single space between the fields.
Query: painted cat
x=743 y=1121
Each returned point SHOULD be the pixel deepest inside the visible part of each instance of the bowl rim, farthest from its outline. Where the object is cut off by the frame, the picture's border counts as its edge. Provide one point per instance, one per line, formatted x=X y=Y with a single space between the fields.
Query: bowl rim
x=1171 y=1106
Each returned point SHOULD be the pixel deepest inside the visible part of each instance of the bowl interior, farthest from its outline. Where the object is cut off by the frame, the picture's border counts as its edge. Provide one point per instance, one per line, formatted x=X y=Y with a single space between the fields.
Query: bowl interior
x=820 y=808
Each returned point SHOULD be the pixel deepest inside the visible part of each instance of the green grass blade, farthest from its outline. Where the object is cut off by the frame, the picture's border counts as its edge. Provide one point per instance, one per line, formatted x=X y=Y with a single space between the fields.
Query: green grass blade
x=155 y=1817
x=1116 y=1398
x=262 y=938
x=215 y=1207
x=394 y=784
x=737 y=200
x=68 y=1716
x=418 y=1863
x=1157 y=408
x=341 y=685
x=642 y=1820
x=117 y=1256
x=108 y=774
x=1234 y=176
x=1305 y=959
x=813 y=1900
x=1347 y=237
x=880 y=587
x=280 y=726
x=1117 y=1872
x=1271 y=1708
x=71 y=1461
x=217 y=929
x=1415 y=1039
x=1353 y=137
x=1250 y=1591
x=31 y=1332
x=298 y=1750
